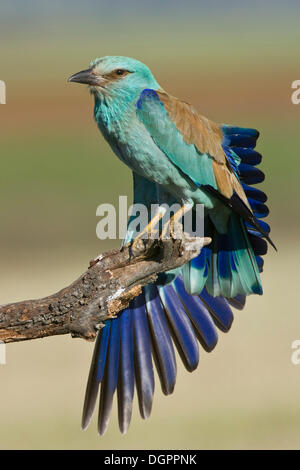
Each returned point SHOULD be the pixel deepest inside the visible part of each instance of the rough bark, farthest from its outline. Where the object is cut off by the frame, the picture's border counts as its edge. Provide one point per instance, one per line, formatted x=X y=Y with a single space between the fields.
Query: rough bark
x=109 y=284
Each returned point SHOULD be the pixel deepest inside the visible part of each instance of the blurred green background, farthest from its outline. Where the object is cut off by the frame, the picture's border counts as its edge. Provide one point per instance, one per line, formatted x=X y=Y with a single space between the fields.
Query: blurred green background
x=235 y=61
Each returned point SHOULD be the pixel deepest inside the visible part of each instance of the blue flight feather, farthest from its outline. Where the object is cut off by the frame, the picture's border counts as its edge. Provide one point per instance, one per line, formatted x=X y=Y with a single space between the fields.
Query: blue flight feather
x=144 y=374
x=241 y=140
x=248 y=155
x=262 y=224
x=260 y=246
x=163 y=350
x=258 y=207
x=199 y=315
x=254 y=193
x=181 y=327
x=219 y=310
x=110 y=378
x=125 y=388
x=250 y=174
x=95 y=374
x=235 y=130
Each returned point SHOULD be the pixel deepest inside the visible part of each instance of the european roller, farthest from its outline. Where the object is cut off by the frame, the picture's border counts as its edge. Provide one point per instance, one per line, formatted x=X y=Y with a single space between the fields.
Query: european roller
x=176 y=155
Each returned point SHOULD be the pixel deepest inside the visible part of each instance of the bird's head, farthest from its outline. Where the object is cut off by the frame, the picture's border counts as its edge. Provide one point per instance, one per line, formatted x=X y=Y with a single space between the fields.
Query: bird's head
x=114 y=76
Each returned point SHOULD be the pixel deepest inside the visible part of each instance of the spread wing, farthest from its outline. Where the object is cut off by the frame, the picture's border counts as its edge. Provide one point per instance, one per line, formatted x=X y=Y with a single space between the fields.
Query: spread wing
x=192 y=142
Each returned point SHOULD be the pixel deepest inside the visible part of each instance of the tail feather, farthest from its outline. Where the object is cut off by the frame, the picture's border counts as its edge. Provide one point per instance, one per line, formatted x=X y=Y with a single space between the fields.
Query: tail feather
x=163 y=350
x=125 y=388
x=142 y=356
x=181 y=328
x=110 y=377
x=199 y=315
x=219 y=310
x=96 y=374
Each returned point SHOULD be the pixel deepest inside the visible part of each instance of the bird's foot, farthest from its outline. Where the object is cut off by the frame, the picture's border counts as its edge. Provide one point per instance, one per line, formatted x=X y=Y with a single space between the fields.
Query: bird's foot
x=149 y=232
x=174 y=228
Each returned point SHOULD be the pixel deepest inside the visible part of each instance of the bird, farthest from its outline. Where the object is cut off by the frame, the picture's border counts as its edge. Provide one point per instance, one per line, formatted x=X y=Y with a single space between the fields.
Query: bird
x=176 y=156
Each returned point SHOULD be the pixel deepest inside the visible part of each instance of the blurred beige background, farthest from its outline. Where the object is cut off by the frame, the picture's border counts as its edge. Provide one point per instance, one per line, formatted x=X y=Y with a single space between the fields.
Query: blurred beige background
x=235 y=63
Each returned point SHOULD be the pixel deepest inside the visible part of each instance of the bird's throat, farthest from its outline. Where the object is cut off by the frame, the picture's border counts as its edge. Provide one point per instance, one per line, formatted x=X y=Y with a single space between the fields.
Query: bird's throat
x=114 y=114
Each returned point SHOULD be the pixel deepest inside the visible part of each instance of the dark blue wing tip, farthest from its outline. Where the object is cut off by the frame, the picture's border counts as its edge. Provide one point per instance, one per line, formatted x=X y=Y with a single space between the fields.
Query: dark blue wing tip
x=147 y=93
x=230 y=130
x=239 y=136
x=238 y=301
x=242 y=142
x=219 y=309
x=248 y=155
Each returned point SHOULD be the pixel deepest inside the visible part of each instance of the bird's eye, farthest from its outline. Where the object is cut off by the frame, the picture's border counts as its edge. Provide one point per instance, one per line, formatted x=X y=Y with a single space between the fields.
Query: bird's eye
x=120 y=72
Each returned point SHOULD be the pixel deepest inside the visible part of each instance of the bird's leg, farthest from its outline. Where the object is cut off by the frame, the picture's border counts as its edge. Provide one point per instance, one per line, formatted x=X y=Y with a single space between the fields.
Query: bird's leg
x=148 y=231
x=176 y=228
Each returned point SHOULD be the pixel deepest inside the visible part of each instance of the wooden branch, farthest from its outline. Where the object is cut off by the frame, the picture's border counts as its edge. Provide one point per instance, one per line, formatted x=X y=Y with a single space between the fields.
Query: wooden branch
x=111 y=282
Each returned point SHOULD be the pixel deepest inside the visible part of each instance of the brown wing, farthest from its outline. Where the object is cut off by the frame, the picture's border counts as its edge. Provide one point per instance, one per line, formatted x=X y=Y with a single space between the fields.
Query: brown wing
x=207 y=137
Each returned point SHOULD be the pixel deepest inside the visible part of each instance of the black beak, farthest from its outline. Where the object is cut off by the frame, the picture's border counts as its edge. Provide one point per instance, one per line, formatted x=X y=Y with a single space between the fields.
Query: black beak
x=85 y=76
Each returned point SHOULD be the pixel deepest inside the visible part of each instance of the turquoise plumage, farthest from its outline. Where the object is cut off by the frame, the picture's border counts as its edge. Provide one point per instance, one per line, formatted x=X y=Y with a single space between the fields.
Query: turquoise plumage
x=176 y=156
